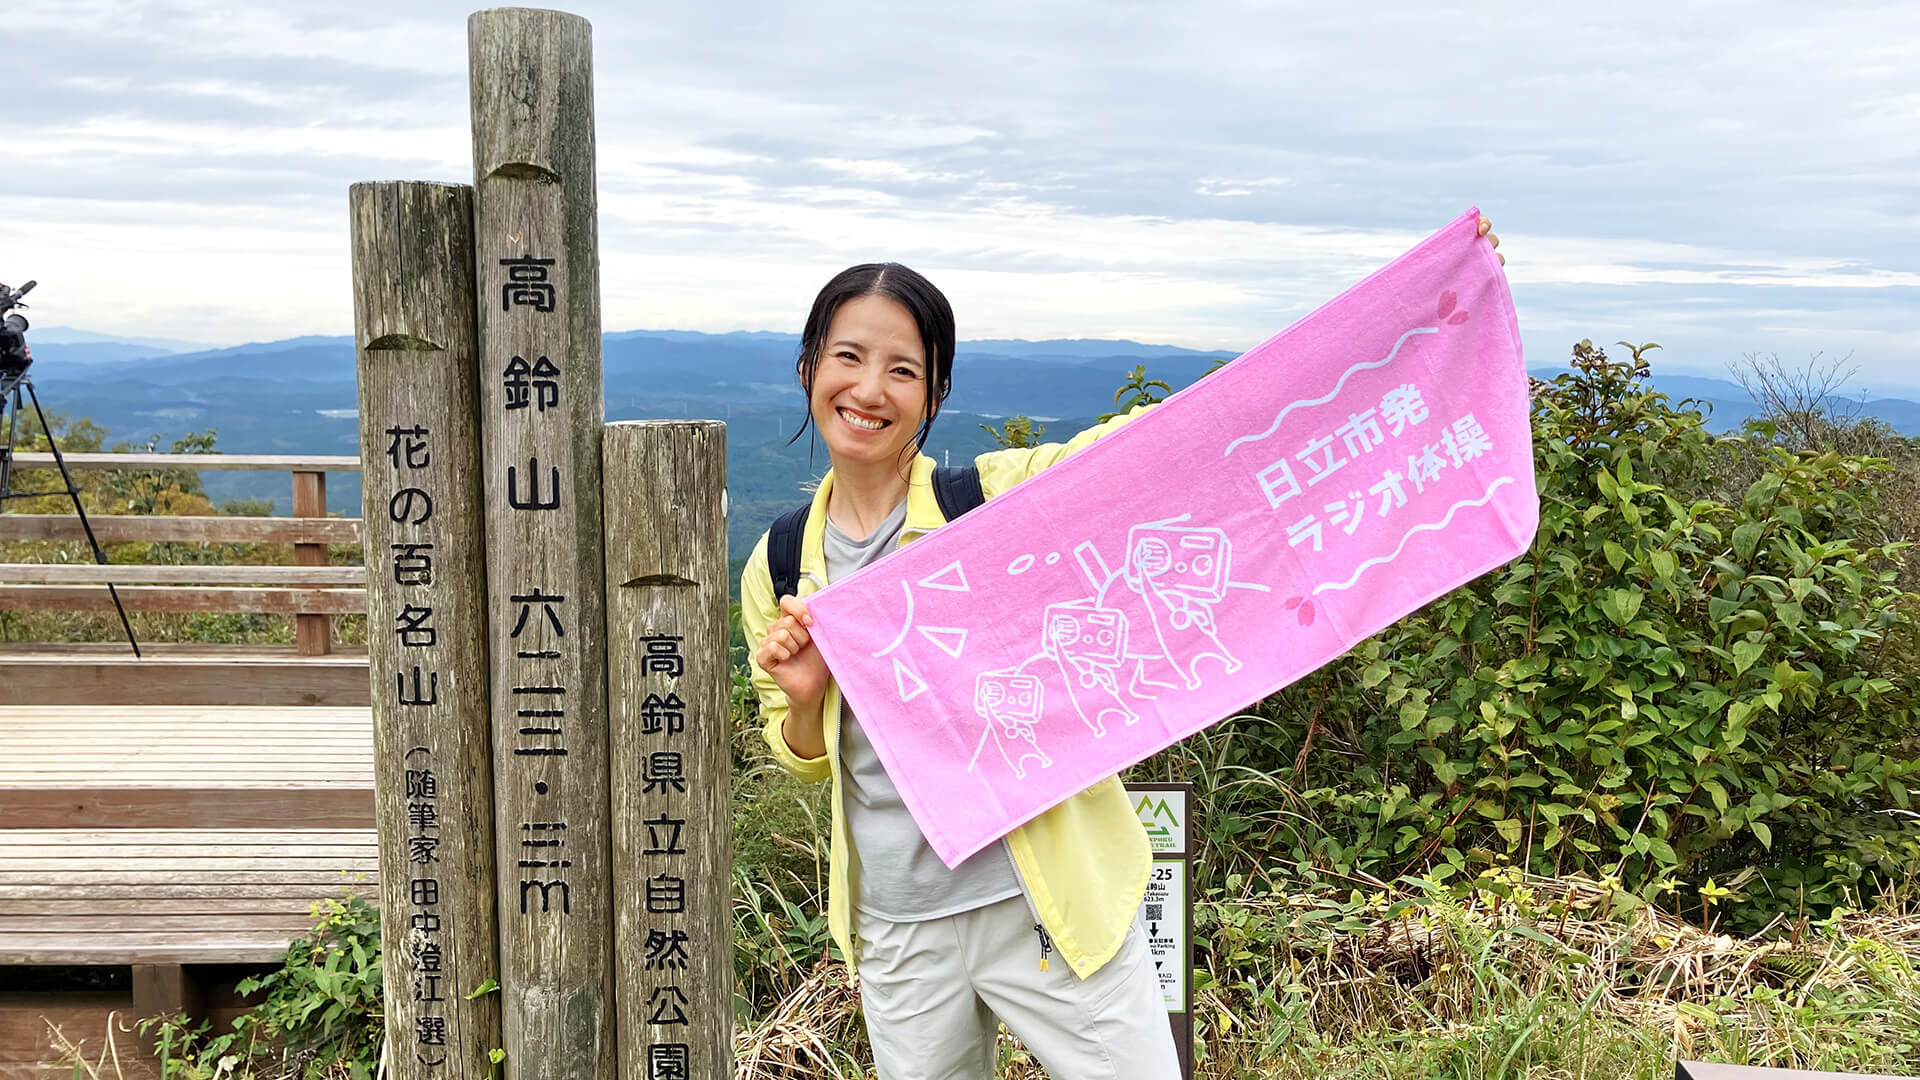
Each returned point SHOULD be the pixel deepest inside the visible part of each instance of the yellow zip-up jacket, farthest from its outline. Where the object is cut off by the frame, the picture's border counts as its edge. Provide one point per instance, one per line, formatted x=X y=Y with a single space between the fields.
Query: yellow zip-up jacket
x=1083 y=863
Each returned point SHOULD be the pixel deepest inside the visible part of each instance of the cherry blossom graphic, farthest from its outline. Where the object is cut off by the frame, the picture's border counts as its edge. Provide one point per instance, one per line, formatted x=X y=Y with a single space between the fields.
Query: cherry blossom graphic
x=1303 y=609
x=1447 y=303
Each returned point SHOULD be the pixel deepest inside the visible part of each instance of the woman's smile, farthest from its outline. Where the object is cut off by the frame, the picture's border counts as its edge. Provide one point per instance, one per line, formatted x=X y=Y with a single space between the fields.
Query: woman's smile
x=863 y=421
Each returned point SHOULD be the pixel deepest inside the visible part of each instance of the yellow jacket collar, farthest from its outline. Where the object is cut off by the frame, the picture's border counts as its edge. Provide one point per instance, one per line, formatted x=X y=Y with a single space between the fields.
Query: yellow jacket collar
x=923 y=515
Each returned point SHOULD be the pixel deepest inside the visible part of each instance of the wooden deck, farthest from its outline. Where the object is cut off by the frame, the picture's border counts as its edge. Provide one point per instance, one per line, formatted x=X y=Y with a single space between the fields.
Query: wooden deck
x=175 y=816
x=177 y=835
x=181 y=767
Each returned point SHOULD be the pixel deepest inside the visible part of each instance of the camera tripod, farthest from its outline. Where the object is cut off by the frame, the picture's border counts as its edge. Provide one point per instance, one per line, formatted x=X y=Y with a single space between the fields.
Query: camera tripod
x=11 y=385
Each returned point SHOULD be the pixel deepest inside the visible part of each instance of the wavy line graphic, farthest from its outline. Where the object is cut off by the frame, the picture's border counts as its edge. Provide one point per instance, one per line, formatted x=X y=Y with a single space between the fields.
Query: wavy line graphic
x=1423 y=527
x=1331 y=394
x=908 y=589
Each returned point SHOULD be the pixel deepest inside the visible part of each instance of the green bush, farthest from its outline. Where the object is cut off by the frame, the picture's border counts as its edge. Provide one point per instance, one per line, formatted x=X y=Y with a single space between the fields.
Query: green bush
x=320 y=1016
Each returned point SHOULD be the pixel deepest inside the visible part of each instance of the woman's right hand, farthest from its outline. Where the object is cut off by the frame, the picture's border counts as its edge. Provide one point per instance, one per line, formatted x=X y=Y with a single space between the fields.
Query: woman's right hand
x=790 y=657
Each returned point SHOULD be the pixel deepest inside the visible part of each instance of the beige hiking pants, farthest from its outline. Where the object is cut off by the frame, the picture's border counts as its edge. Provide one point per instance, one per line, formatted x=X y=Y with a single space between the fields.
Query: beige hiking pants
x=932 y=989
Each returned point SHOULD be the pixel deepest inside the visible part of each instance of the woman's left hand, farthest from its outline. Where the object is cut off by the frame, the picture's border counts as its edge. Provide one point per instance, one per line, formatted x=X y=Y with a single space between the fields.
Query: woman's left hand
x=1486 y=230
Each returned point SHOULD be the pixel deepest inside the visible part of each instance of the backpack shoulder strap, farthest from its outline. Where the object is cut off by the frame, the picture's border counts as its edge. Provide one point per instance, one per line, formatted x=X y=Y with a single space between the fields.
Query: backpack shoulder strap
x=783 y=550
x=958 y=490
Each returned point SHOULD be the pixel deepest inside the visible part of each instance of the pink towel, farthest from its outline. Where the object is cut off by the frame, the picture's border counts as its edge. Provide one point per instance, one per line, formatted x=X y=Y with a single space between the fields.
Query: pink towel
x=1367 y=459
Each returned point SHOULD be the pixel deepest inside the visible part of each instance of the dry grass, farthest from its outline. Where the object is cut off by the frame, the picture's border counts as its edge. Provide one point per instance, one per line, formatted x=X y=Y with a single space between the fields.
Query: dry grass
x=1545 y=979
x=811 y=1032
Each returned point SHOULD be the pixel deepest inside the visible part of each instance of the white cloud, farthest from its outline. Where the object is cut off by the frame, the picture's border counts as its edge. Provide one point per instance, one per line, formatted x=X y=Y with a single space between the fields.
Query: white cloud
x=1189 y=174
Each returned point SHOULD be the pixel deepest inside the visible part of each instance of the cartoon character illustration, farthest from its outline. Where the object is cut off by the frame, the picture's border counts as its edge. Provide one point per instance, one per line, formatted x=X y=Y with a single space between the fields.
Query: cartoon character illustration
x=1181 y=572
x=1135 y=634
x=1011 y=703
x=1089 y=644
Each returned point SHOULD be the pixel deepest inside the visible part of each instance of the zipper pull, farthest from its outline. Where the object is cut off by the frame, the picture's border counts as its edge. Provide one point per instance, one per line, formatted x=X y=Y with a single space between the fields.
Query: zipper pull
x=1046 y=945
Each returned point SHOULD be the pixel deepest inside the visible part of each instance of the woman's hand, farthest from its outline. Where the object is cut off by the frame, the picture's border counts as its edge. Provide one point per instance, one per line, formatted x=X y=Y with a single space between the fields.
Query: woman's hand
x=790 y=657
x=1486 y=230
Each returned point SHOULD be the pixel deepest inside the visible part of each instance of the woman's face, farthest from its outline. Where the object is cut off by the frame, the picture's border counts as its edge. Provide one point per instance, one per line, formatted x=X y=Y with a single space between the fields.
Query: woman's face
x=870 y=387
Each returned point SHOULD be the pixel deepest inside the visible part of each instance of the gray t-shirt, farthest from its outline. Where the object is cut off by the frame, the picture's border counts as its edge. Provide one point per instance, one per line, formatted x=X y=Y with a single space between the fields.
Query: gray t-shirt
x=898 y=877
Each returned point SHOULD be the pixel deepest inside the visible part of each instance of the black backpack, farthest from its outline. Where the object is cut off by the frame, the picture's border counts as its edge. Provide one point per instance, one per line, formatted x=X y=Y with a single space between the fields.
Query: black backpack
x=958 y=491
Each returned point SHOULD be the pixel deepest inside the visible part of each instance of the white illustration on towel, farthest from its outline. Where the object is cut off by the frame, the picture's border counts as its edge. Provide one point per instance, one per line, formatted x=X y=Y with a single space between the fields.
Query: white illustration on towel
x=1333 y=393
x=949 y=578
x=1088 y=644
x=1130 y=635
x=948 y=639
x=1182 y=571
x=910 y=685
x=1010 y=703
x=1427 y=526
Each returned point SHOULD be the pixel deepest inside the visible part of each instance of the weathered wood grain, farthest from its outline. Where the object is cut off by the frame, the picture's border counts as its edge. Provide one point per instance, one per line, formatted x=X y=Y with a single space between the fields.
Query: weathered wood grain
x=666 y=552
x=124 y=528
x=168 y=896
x=129 y=574
x=541 y=414
x=312 y=634
x=164 y=805
x=28 y=1050
x=196 y=462
x=98 y=679
x=414 y=330
x=177 y=599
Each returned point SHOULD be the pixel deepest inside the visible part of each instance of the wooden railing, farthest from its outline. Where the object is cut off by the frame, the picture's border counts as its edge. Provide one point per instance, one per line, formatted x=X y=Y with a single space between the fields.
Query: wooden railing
x=311 y=591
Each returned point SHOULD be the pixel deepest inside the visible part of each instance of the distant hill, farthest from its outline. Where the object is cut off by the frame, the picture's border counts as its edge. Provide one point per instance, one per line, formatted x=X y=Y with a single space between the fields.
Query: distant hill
x=149 y=346
x=298 y=396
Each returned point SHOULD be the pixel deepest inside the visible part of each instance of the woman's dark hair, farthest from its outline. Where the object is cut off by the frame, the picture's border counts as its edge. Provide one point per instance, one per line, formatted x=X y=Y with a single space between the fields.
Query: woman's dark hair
x=930 y=311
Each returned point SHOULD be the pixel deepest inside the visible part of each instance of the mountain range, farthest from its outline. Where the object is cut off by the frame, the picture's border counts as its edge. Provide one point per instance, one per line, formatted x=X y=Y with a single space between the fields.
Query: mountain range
x=297 y=396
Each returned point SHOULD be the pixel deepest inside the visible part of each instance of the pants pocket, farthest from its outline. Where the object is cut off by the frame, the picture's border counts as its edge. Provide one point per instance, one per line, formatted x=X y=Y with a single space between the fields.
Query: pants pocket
x=1119 y=973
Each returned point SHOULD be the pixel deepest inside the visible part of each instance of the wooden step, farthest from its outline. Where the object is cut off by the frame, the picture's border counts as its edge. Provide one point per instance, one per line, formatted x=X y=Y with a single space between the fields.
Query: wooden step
x=181 y=767
x=171 y=896
x=337 y=680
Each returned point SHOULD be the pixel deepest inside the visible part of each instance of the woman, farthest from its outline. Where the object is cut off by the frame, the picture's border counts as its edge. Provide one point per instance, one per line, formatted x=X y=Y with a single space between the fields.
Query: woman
x=940 y=953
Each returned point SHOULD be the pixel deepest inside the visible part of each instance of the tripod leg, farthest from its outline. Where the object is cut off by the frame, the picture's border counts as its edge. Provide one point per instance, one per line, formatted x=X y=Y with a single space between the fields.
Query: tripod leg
x=6 y=448
x=73 y=493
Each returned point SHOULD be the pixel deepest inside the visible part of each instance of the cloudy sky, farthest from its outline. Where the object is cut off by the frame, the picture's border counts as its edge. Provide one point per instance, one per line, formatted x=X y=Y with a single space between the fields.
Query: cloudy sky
x=1723 y=178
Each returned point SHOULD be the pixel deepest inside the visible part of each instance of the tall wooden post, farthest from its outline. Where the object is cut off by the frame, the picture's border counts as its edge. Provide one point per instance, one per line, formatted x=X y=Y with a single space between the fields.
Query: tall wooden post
x=537 y=268
x=667 y=674
x=426 y=624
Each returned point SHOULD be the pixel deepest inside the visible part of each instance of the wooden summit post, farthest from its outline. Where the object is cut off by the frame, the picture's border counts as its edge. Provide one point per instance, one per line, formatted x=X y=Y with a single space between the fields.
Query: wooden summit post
x=426 y=624
x=537 y=268
x=668 y=680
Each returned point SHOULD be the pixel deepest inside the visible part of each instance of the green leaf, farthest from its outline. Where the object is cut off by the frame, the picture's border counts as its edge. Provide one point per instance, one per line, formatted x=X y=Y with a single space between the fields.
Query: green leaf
x=1621 y=605
x=1616 y=555
x=1412 y=713
x=1716 y=792
x=1665 y=565
x=1761 y=493
x=1747 y=537
x=1375 y=674
x=1746 y=654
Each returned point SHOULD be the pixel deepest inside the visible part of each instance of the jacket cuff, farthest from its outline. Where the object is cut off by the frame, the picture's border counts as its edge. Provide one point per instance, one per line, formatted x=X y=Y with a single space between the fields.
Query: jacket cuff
x=812 y=769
